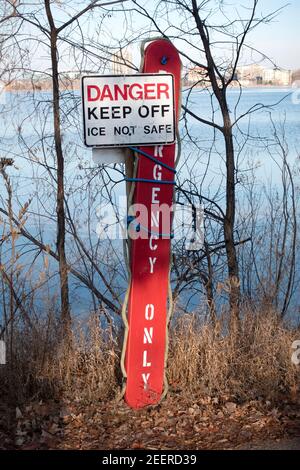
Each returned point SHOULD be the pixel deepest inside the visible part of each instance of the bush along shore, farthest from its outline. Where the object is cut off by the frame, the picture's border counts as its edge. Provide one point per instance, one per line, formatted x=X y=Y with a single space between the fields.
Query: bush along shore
x=224 y=392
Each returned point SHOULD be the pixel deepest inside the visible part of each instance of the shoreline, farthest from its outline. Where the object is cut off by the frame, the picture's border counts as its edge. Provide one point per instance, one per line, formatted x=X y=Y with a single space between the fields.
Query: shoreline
x=184 y=88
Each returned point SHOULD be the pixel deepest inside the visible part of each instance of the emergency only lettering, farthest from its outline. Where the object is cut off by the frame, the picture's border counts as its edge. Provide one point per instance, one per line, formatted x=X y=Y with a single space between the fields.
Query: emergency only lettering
x=149 y=312
x=128 y=110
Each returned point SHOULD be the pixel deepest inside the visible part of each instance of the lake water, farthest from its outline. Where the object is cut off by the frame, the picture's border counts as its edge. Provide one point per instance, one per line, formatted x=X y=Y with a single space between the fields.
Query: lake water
x=26 y=135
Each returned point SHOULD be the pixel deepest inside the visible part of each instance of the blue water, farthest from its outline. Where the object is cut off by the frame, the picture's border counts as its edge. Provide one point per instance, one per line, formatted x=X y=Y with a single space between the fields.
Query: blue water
x=253 y=132
x=26 y=135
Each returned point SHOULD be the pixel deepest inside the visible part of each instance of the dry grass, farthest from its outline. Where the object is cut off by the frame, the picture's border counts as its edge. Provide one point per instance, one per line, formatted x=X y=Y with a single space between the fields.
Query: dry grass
x=256 y=364
x=86 y=369
x=202 y=361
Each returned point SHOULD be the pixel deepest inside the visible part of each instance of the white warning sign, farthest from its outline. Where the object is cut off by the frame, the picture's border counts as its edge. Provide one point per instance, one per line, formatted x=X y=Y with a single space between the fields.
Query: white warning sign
x=122 y=110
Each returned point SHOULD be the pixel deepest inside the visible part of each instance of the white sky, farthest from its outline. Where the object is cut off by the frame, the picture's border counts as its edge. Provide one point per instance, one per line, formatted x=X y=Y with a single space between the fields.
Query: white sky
x=279 y=40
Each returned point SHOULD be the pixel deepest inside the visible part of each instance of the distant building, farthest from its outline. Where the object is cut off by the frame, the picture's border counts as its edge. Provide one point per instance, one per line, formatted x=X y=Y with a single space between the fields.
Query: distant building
x=252 y=75
x=296 y=76
x=197 y=75
x=277 y=77
x=120 y=63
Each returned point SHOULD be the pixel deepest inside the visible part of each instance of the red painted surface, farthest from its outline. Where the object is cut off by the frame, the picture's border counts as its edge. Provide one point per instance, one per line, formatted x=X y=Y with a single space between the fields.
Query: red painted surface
x=147 y=307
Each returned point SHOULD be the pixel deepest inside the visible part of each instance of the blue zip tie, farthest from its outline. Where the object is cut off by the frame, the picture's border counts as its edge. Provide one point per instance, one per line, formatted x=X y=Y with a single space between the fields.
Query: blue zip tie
x=153 y=159
x=144 y=180
x=140 y=227
x=130 y=218
x=145 y=229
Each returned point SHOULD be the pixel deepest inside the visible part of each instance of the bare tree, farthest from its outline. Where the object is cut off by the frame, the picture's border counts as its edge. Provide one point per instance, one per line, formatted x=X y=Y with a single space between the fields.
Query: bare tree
x=68 y=199
x=45 y=23
x=200 y=29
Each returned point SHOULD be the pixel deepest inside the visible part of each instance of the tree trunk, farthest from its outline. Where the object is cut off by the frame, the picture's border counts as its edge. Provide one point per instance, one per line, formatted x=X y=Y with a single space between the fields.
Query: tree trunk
x=229 y=222
x=219 y=87
x=209 y=288
x=60 y=207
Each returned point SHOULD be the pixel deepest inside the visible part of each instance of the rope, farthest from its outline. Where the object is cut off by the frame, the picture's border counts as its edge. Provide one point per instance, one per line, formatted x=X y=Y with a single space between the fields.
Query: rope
x=170 y=293
x=133 y=180
x=140 y=227
x=144 y=180
x=126 y=250
x=153 y=159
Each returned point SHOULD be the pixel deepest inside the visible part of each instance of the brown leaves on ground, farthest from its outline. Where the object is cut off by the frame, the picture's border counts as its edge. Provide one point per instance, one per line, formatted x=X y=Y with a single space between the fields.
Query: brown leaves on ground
x=177 y=423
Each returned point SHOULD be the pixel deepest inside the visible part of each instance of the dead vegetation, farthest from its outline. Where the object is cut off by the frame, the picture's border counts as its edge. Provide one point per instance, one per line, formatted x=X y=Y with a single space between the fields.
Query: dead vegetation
x=203 y=360
x=255 y=364
x=222 y=392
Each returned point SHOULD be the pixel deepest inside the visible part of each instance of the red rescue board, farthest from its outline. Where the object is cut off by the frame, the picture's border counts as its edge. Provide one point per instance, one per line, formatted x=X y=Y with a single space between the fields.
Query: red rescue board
x=150 y=256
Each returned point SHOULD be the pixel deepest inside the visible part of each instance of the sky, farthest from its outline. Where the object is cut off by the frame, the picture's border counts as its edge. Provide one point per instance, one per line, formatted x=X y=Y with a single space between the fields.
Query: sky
x=281 y=38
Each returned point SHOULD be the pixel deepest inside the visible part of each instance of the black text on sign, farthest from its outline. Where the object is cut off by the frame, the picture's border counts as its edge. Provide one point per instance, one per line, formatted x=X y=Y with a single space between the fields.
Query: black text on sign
x=128 y=110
